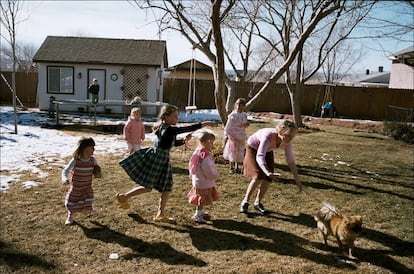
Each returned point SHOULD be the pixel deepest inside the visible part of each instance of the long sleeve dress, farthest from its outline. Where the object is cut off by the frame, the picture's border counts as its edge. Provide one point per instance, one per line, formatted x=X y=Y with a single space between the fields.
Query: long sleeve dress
x=150 y=167
x=203 y=174
x=80 y=194
x=235 y=131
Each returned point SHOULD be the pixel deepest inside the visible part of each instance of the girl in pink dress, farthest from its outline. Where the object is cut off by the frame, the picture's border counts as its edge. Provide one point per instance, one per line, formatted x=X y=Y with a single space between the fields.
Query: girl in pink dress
x=235 y=136
x=134 y=130
x=203 y=174
x=78 y=173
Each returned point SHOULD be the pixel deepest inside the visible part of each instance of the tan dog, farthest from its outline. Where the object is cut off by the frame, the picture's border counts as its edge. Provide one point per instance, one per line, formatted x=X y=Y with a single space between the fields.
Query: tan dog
x=344 y=229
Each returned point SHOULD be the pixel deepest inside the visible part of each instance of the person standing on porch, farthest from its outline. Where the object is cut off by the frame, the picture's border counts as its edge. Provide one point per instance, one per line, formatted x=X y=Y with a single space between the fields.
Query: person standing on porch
x=93 y=90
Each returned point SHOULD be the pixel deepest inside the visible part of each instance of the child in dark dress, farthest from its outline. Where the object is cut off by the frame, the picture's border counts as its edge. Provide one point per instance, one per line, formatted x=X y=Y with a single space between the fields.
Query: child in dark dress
x=150 y=167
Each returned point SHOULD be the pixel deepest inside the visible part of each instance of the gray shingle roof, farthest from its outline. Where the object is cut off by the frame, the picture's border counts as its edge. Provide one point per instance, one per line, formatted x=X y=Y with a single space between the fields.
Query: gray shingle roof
x=102 y=51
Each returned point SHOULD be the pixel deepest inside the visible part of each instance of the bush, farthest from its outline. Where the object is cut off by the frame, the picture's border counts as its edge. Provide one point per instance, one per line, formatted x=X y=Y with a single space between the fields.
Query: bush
x=400 y=131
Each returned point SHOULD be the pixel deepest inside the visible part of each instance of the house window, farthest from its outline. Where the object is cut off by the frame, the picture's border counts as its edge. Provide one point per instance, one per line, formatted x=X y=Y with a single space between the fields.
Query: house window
x=60 y=80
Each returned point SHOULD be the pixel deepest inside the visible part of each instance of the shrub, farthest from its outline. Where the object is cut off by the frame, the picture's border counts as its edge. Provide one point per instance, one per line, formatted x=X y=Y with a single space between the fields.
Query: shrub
x=400 y=131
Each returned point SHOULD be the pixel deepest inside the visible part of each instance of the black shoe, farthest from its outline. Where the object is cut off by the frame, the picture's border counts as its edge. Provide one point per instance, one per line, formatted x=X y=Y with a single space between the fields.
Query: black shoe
x=243 y=207
x=237 y=170
x=259 y=207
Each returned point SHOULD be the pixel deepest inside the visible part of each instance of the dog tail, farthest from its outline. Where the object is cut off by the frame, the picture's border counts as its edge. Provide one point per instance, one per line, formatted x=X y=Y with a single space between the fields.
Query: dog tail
x=325 y=213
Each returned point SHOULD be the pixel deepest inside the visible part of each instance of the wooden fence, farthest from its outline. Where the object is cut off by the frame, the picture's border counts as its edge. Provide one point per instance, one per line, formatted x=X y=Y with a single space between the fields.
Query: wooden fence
x=350 y=102
x=26 y=88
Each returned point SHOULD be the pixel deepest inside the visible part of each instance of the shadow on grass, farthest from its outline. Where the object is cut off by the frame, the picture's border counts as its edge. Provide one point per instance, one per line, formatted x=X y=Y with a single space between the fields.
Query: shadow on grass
x=256 y=238
x=18 y=260
x=161 y=251
x=342 y=177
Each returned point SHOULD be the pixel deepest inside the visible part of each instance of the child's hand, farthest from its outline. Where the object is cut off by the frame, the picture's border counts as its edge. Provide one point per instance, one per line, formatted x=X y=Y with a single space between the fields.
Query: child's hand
x=97 y=172
x=188 y=137
x=300 y=186
x=274 y=175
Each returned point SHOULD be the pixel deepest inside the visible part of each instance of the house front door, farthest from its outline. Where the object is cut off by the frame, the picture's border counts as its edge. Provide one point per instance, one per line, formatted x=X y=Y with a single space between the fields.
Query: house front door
x=100 y=75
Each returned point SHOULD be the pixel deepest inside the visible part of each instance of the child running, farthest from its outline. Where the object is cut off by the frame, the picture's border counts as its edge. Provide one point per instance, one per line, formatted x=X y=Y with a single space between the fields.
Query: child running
x=235 y=136
x=203 y=173
x=150 y=167
x=82 y=167
x=134 y=130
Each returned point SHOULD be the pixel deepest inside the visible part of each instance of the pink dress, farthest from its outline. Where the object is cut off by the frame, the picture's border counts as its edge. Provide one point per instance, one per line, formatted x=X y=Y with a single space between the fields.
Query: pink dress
x=203 y=174
x=134 y=131
x=235 y=131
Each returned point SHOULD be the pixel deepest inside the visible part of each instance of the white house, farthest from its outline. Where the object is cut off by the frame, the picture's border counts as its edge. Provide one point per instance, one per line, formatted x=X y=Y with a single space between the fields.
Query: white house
x=402 y=69
x=124 y=68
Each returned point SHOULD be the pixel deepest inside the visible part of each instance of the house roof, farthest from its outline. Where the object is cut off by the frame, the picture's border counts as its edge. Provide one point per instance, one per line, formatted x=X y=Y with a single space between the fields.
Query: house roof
x=199 y=66
x=405 y=56
x=64 y=49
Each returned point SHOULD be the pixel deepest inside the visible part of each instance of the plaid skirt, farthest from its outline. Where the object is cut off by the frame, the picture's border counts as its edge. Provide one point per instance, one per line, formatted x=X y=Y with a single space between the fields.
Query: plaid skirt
x=150 y=167
x=250 y=167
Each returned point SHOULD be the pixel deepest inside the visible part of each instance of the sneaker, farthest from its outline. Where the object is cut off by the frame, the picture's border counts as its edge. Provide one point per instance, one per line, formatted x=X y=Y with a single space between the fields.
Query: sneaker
x=259 y=207
x=243 y=207
x=198 y=219
x=232 y=171
x=237 y=170
x=69 y=220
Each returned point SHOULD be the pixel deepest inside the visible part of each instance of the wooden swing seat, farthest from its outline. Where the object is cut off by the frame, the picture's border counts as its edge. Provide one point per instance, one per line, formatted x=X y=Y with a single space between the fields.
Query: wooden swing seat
x=190 y=108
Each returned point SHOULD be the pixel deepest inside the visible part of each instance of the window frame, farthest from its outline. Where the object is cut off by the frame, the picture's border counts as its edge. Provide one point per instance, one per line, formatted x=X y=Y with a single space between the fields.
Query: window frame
x=61 y=85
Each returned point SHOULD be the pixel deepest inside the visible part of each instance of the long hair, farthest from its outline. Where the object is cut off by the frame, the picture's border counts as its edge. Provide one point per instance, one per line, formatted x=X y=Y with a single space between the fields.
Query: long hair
x=166 y=110
x=82 y=144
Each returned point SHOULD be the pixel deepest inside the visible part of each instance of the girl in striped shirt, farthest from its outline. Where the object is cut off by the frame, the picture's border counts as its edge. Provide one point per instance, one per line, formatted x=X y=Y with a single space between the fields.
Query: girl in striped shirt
x=78 y=173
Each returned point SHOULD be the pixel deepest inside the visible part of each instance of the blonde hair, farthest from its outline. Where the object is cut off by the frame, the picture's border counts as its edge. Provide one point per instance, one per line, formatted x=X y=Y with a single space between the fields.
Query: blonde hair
x=166 y=110
x=204 y=135
x=286 y=125
x=240 y=101
x=83 y=143
x=135 y=110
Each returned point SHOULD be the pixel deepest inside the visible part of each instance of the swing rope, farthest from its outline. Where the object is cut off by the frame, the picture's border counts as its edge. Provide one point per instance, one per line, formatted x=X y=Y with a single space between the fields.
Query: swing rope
x=192 y=84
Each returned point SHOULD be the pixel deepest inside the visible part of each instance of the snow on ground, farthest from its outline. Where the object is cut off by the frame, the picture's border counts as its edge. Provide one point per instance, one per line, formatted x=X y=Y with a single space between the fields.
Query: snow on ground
x=35 y=145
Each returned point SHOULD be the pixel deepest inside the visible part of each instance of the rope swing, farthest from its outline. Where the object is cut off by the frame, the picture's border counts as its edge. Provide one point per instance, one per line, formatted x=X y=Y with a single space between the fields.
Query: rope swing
x=191 y=106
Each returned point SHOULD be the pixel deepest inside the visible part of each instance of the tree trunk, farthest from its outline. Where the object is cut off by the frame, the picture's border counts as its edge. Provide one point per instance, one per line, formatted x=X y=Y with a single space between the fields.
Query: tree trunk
x=218 y=68
x=295 y=98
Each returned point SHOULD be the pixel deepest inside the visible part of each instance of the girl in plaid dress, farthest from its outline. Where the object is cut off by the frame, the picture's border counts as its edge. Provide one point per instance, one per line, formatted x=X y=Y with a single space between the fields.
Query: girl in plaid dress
x=150 y=167
x=78 y=173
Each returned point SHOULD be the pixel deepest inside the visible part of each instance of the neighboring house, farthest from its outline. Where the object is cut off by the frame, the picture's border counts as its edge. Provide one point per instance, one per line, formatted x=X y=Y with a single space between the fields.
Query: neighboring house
x=402 y=69
x=377 y=79
x=124 y=68
x=200 y=71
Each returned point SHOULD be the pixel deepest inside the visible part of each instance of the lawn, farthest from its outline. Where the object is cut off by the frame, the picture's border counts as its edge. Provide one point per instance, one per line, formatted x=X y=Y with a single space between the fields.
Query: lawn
x=360 y=172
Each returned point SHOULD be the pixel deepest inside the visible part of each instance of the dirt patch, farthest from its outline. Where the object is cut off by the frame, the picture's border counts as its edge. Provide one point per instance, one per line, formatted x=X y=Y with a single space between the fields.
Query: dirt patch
x=366 y=125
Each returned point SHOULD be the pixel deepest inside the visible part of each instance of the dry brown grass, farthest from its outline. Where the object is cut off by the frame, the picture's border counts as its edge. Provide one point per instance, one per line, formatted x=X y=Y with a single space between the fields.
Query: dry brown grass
x=377 y=184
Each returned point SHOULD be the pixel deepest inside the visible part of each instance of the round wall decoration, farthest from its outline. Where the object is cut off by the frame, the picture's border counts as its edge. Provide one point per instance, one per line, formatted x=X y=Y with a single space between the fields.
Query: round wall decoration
x=114 y=76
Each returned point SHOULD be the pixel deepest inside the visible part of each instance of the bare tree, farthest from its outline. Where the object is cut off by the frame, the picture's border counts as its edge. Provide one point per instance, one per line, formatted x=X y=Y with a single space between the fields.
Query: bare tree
x=9 y=19
x=24 y=57
x=284 y=26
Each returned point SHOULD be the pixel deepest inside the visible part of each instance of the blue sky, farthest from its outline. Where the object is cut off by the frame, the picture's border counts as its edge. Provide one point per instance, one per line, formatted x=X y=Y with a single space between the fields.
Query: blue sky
x=119 y=19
